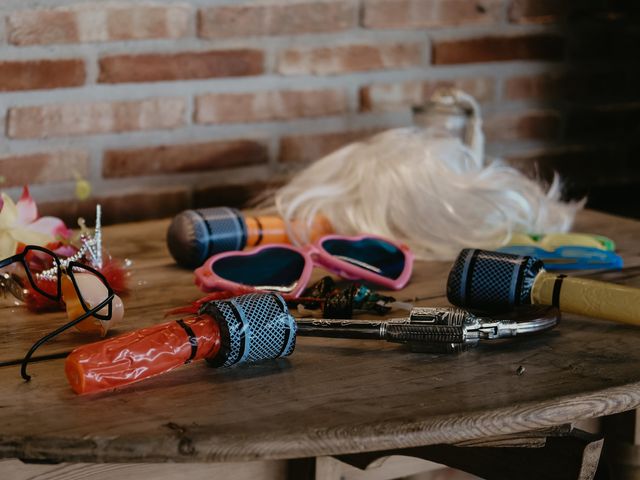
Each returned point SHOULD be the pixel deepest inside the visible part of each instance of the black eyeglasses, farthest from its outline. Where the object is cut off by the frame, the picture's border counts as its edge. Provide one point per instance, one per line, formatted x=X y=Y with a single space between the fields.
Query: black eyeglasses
x=48 y=273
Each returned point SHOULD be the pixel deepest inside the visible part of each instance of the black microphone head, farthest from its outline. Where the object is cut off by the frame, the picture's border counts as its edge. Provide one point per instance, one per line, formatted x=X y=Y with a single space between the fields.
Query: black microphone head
x=491 y=281
x=253 y=327
x=195 y=235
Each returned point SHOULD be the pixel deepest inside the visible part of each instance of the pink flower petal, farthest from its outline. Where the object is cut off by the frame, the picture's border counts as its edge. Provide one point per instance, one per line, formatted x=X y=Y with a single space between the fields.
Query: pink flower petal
x=52 y=226
x=27 y=209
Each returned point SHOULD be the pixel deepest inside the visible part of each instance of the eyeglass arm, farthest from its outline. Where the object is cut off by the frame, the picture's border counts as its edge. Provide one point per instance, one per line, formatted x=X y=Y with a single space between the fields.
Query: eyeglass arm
x=58 y=331
x=10 y=260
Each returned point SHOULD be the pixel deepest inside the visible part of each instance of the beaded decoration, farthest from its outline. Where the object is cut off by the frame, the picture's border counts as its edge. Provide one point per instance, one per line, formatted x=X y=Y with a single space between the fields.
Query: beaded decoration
x=91 y=247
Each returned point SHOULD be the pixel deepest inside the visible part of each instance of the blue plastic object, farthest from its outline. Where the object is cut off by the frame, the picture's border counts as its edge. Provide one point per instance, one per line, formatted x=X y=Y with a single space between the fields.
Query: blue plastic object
x=569 y=257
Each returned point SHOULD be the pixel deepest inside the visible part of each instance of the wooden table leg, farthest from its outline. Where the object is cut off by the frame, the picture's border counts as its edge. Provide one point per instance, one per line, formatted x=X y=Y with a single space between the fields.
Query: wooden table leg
x=622 y=444
x=575 y=455
x=301 y=469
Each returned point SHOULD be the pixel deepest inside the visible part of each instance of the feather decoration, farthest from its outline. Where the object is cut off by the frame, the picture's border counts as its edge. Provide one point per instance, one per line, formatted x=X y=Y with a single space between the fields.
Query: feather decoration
x=37 y=302
x=116 y=274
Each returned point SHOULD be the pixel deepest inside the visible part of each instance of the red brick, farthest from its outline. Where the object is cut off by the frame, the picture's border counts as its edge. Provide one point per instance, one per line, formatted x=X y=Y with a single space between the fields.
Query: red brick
x=239 y=195
x=306 y=148
x=157 y=67
x=98 y=22
x=548 y=85
x=43 y=167
x=89 y=118
x=349 y=58
x=576 y=86
x=144 y=205
x=149 y=203
x=123 y=207
x=391 y=96
x=498 y=49
x=527 y=125
x=416 y=93
x=538 y=11
x=41 y=74
x=69 y=211
x=481 y=88
x=429 y=13
x=194 y=157
x=277 y=18
x=268 y=105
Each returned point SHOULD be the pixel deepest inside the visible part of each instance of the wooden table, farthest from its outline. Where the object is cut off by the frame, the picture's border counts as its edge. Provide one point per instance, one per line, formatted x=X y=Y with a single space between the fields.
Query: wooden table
x=331 y=397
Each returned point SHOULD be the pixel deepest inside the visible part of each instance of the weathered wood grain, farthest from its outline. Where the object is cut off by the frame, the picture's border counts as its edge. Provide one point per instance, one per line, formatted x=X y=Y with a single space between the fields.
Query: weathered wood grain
x=330 y=397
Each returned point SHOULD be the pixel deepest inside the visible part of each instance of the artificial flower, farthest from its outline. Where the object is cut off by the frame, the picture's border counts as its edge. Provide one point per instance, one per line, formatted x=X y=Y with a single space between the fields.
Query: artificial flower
x=19 y=224
x=113 y=270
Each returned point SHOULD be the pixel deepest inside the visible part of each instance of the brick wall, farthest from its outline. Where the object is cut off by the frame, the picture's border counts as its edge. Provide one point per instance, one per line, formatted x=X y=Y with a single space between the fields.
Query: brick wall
x=163 y=105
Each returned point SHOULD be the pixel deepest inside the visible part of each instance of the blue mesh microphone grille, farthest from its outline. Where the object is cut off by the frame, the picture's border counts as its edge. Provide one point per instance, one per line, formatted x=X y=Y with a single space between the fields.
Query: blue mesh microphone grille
x=254 y=327
x=491 y=281
x=195 y=235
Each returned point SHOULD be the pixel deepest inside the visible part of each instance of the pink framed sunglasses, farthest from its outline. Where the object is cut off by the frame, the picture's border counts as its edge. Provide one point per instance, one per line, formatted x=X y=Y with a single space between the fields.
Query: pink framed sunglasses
x=287 y=269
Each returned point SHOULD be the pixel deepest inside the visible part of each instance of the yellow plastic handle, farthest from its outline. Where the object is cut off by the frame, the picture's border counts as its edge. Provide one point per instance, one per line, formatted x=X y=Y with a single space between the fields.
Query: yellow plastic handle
x=609 y=301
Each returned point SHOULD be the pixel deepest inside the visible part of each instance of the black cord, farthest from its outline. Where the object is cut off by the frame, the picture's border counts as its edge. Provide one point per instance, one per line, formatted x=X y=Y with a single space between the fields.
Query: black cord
x=49 y=336
x=39 y=358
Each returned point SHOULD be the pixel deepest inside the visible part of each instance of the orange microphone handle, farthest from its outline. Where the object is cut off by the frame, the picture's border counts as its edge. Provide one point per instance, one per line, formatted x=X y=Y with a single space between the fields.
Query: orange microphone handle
x=267 y=229
x=134 y=356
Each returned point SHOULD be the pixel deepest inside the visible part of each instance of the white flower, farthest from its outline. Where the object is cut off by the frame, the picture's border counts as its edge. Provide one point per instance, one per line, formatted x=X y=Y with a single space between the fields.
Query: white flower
x=19 y=224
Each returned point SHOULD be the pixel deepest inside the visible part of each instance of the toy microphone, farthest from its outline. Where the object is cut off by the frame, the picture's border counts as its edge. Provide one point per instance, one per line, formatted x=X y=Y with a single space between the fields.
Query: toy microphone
x=493 y=281
x=195 y=235
x=243 y=329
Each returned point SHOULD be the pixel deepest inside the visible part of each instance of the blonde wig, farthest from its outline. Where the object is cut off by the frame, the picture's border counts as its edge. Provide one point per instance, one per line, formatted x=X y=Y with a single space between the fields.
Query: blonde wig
x=428 y=190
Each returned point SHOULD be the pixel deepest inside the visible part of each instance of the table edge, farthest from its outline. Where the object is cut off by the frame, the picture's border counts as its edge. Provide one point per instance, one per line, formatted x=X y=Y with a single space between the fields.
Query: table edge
x=182 y=445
